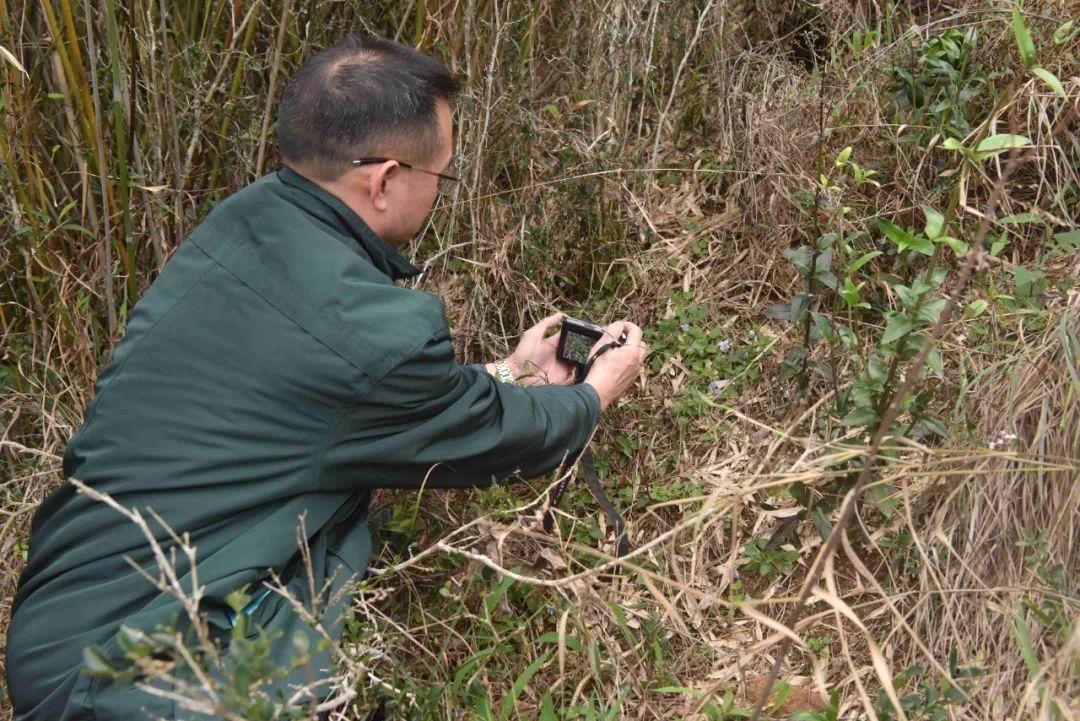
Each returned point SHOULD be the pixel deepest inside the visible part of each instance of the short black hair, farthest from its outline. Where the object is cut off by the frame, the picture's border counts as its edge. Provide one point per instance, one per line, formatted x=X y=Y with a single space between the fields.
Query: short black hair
x=364 y=96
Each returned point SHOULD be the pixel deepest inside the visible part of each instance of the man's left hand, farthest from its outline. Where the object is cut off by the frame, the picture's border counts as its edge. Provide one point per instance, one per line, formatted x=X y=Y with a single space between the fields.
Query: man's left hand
x=533 y=362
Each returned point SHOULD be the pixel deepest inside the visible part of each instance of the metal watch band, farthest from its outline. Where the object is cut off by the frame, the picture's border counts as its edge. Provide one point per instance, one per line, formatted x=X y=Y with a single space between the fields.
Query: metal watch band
x=504 y=371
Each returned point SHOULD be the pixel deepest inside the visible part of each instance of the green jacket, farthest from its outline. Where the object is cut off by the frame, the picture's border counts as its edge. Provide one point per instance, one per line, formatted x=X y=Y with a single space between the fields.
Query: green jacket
x=273 y=369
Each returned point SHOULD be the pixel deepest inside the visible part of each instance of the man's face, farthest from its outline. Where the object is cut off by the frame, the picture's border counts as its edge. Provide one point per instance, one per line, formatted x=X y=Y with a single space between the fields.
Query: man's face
x=409 y=193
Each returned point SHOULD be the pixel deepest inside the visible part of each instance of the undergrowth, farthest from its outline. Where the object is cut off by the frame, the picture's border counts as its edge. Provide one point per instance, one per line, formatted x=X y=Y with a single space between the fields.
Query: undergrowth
x=783 y=194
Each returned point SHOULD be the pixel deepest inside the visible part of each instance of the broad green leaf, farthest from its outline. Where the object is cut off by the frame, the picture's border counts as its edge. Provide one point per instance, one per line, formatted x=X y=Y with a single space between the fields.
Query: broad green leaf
x=800 y=257
x=1026 y=280
x=959 y=247
x=933 y=425
x=863 y=260
x=824 y=327
x=997 y=144
x=862 y=416
x=937 y=277
x=998 y=245
x=843 y=156
x=952 y=144
x=882 y=497
x=930 y=311
x=1050 y=79
x=1070 y=237
x=934 y=362
x=1023 y=37
x=976 y=308
x=935 y=223
x=899 y=326
x=908 y=296
x=921 y=245
x=899 y=237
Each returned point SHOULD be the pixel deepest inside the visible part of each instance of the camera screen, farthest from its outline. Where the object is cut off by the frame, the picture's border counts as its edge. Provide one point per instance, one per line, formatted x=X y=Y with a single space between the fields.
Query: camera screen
x=578 y=346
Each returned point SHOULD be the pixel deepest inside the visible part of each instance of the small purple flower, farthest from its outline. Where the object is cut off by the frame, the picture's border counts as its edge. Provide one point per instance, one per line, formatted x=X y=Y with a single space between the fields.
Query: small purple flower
x=684 y=327
x=717 y=387
x=723 y=345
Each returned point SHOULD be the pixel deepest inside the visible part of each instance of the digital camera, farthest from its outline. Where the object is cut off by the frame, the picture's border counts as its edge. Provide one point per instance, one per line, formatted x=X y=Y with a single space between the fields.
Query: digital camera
x=576 y=340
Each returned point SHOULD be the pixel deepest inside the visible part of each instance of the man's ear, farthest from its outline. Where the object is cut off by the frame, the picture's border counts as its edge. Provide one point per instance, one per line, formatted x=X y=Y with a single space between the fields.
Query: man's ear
x=376 y=185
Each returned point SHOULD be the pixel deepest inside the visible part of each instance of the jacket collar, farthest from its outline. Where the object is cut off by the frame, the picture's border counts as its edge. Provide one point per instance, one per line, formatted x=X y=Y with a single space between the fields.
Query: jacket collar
x=327 y=207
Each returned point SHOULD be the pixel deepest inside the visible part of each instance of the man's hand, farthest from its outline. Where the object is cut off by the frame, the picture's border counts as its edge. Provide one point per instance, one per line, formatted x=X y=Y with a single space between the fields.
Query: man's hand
x=533 y=362
x=615 y=371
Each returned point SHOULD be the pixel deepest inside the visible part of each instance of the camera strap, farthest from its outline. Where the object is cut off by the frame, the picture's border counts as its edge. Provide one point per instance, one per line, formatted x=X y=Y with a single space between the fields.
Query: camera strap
x=592 y=478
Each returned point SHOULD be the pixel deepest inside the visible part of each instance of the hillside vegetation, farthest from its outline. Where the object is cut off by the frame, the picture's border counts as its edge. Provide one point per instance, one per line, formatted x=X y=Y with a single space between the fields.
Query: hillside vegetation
x=850 y=230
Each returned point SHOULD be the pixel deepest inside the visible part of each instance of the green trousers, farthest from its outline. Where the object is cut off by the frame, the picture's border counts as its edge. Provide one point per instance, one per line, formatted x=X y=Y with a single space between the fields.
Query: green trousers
x=340 y=552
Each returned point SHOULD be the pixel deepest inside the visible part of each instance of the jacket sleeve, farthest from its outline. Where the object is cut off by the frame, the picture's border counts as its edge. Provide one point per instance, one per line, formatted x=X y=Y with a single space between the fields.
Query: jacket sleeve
x=454 y=425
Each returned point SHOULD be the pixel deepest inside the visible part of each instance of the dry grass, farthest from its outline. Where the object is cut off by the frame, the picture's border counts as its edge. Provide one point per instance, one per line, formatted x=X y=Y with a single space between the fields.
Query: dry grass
x=616 y=152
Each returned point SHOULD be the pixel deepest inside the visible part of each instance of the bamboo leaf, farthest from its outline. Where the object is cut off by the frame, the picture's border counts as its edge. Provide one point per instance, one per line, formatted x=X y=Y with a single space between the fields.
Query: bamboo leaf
x=1023 y=38
x=1050 y=79
x=7 y=55
x=522 y=681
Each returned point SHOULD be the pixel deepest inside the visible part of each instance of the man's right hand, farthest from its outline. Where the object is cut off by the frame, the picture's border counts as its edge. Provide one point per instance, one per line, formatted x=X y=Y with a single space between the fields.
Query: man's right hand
x=614 y=372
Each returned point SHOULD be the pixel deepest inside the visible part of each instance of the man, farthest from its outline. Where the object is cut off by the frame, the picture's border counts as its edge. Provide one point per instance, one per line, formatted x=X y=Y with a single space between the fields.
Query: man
x=276 y=369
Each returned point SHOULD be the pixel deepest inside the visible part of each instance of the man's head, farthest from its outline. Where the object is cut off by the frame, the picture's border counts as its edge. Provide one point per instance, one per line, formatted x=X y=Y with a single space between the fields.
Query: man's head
x=369 y=97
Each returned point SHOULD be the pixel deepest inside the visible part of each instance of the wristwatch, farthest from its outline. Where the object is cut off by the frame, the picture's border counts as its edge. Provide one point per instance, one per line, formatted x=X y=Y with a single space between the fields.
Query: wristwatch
x=503 y=369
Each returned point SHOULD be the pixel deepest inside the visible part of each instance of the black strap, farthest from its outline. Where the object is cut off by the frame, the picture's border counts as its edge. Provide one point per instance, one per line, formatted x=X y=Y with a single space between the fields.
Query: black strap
x=622 y=543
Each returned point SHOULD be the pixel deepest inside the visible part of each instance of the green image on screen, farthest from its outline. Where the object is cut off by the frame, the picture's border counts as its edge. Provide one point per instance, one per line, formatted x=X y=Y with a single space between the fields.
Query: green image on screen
x=577 y=347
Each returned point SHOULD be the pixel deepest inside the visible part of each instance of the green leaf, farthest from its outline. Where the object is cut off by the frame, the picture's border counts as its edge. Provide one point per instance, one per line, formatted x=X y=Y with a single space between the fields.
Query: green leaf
x=899 y=237
x=824 y=327
x=908 y=297
x=1023 y=638
x=1021 y=219
x=553 y=637
x=1070 y=237
x=863 y=260
x=1023 y=38
x=935 y=223
x=1050 y=79
x=1026 y=280
x=930 y=311
x=522 y=681
x=95 y=662
x=934 y=362
x=547 y=709
x=952 y=144
x=301 y=643
x=976 y=308
x=997 y=144
x=882 y=497
x=862 y=416
x=800 y=257
x=843 y=156
x=899 y=326
x=1064 y=32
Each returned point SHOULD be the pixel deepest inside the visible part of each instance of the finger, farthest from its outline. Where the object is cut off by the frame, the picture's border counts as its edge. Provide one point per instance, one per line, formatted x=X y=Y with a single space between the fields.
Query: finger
x=541 y=328
x=633 y=333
